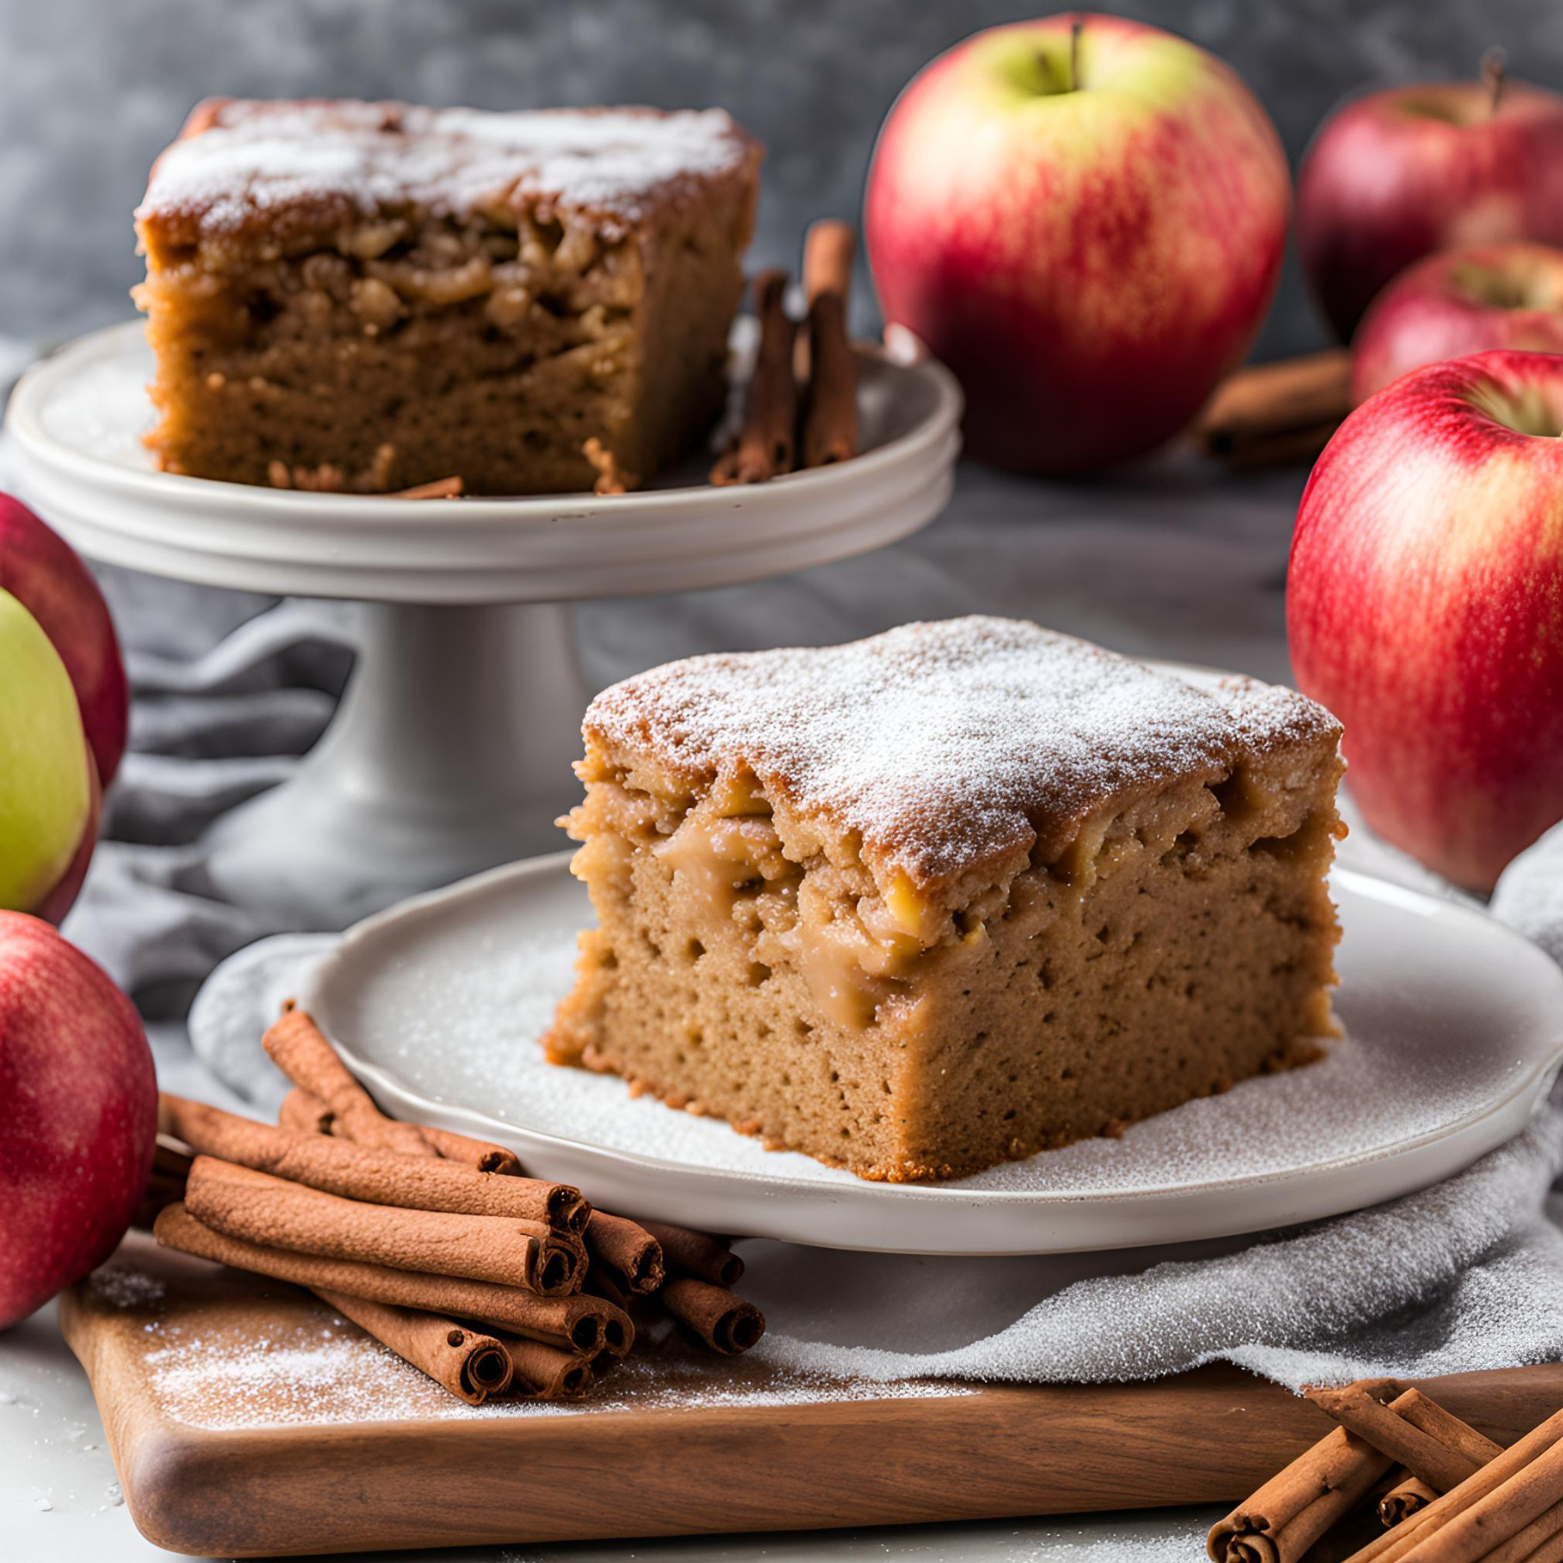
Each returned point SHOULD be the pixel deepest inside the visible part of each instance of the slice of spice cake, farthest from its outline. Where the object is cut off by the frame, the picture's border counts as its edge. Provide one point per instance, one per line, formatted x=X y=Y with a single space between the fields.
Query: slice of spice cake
x=949 y=896
x=369 y=296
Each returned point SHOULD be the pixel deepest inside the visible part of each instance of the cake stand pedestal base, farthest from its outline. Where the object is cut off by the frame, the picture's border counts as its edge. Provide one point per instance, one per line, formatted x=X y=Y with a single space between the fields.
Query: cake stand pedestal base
x=451 y=752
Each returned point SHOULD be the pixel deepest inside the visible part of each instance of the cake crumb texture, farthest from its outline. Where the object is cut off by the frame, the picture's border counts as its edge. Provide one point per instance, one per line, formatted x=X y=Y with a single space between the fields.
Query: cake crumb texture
x=947 y=897
x=372 y=296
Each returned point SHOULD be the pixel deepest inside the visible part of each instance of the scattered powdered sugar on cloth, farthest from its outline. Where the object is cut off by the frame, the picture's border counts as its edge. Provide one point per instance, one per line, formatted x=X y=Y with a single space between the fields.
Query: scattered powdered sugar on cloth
x=263 y=157
x=946 y=744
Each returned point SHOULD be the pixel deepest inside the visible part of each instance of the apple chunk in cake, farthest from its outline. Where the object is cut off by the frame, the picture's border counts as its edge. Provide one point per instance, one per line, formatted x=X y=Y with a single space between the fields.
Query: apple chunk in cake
x=949 y=896
x=369 y=296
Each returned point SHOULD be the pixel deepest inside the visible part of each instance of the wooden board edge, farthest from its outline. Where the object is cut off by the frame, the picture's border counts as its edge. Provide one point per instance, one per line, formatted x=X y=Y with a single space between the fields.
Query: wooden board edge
x=995 y=1452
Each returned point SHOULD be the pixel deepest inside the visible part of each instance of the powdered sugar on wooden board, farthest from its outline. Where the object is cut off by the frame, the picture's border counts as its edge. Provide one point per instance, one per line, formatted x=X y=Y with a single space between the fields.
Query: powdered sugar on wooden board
x=259 y=158
x=944 y=744
x=211 y=1368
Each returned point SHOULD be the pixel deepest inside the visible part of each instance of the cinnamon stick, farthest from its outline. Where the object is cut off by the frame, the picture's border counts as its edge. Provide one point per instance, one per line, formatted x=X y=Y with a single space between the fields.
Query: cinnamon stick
x=542 y=1372
x=1283 y=1519
x=271 y=1211
x=1499 y=1515
x=698 y=1254
x=1273 y=414
x=483 y=1155
x=1395 y=1545
x=298 y=1047
x=828 y=251
x=304 y=1113
x=1426 y=1413
x=627 y=1249
x=581 y=1324
x=765 y=446
x=830 y=426
x=1533 y=1542
x=470 y=1365
x=724 y=1322
x=363 y=1172
x=1408 y=1495
x=601 y=1282
x=1393 y=1434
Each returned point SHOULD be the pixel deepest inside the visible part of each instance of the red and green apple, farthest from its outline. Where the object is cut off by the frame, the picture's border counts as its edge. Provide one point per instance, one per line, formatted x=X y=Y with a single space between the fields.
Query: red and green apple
x=1083 y=216
x=40 y=569
x=48 y=788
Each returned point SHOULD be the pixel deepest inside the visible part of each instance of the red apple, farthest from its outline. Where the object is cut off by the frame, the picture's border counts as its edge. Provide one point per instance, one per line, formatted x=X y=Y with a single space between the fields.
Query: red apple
x=1424 y=607
x=44 y=574
x=1456 y=303
x=80 y=1115
x=1083 y=217
x=1399 y=174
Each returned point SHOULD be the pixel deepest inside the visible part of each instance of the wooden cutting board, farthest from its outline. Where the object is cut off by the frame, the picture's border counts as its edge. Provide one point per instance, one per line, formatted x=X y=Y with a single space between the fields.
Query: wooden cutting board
x=245 y=1420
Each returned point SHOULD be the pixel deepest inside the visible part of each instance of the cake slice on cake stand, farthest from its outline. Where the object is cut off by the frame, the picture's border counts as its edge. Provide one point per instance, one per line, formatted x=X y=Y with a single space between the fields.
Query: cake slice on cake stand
x=453 y=745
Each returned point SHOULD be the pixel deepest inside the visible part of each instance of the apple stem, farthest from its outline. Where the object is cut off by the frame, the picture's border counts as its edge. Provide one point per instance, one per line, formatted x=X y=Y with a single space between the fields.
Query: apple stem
x=1494 y=75
x=1075 y=29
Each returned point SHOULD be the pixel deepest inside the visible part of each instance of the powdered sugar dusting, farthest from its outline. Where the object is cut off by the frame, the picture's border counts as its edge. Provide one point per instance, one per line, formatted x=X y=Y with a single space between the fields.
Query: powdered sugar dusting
x=949 y=743
x=215 y=1372
x=259 y=158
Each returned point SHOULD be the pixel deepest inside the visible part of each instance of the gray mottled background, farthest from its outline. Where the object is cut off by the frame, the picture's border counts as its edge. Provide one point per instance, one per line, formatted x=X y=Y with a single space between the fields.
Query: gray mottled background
x=91 y=89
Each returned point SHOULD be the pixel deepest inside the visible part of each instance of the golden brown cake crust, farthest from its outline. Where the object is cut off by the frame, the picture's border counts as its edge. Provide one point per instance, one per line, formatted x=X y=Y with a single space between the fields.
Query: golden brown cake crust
x=949 y=745
x=243 y=167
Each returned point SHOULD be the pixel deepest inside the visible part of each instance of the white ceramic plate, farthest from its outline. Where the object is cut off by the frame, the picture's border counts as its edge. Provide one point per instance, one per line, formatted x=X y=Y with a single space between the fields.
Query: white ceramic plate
x=1453 y=1033
x=74 y=427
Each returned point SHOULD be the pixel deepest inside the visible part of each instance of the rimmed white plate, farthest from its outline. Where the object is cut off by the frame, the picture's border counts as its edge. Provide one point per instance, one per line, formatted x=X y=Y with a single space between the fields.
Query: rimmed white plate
x=1454 y=1026
x=74 y=426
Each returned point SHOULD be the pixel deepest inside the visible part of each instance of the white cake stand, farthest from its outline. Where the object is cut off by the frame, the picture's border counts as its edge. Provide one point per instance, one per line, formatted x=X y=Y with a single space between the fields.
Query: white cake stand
x=451 y=751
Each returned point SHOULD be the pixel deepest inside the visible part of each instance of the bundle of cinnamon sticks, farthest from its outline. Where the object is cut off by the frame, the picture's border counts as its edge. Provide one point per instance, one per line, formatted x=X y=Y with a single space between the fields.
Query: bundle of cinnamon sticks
x=1440 y=1490
x=800 y=409
x=437 y=1245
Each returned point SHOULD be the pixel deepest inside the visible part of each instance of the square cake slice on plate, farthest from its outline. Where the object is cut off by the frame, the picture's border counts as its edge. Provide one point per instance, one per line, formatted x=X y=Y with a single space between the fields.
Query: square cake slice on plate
x=369 y=296
x=949 y=896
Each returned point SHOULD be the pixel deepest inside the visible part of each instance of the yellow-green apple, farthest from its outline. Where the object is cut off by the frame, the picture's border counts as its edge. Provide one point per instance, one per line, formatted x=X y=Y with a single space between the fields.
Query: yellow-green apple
x=1083 y=217
x=1459 y=302
x=1396 y=175
x=47 y=785
x=41 y=570
x=80 y=1119
x=1424 y=606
